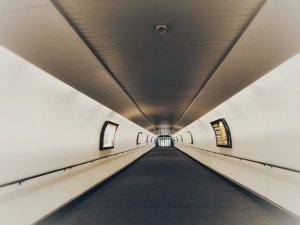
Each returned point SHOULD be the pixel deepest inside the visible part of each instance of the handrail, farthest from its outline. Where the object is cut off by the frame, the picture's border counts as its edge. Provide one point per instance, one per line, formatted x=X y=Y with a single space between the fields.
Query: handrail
x=20 y=181
x=245 y=159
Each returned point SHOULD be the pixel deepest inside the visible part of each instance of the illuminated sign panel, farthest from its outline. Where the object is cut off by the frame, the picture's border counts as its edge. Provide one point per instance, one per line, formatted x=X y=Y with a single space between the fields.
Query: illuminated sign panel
x=107 y=136
x=190 y=137
x=222 y=133
x=138 y=138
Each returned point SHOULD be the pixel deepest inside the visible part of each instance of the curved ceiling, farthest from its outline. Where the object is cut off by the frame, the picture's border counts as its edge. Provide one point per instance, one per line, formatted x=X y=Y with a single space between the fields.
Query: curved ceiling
x=162 y=73
x=110 y=50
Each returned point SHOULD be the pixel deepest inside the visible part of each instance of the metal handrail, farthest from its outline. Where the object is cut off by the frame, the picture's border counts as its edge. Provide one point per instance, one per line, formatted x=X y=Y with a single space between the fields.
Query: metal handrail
x=245 y=159
x=20 y=181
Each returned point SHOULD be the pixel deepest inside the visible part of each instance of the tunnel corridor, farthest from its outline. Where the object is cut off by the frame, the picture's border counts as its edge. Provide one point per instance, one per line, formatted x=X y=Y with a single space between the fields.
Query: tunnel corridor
x=138 y=112
x=166 y=187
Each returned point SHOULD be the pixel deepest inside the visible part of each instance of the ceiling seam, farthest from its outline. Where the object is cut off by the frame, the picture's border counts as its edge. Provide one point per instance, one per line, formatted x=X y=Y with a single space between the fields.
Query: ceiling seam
x=100 y=60
x=221 y=61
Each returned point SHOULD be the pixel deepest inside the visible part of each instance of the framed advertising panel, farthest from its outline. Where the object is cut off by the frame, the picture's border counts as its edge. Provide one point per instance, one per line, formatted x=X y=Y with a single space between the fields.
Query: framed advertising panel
x=222 y=133
x=190 y=137
x=107 y=136
x=138 y=138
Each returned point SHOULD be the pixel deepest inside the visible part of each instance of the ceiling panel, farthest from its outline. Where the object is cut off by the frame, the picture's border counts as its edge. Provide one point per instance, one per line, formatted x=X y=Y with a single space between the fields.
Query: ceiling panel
x=162 y=74
x=268 y=41
x=36 y=31
x=116 y=57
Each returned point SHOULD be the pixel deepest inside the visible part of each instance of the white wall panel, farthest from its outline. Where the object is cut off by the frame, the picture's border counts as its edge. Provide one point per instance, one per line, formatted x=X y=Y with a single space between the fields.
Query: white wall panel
x=46 y=125
x=264 y=122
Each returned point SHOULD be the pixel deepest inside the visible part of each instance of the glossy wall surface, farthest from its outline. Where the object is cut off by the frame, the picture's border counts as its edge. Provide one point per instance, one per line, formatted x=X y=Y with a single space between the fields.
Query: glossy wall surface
x=264 y=124
x=46 y=125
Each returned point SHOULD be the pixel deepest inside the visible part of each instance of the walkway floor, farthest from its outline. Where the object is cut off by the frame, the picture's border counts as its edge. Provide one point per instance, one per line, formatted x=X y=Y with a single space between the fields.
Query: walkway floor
x=165 y=187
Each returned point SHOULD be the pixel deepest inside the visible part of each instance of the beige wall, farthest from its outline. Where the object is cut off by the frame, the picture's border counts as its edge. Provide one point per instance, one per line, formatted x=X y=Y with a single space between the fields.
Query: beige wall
x=45 y=125
x=264 y=122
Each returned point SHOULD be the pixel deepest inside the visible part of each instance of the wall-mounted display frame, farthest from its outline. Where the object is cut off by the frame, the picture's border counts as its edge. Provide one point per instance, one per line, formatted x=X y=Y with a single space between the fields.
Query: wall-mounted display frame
x=222 y=133
x=138 y=138
x=190 y=135
x=107 y=135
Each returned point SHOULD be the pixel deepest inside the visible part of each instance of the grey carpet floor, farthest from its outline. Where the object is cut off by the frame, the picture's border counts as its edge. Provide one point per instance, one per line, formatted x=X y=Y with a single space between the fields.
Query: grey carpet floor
x=166 y=187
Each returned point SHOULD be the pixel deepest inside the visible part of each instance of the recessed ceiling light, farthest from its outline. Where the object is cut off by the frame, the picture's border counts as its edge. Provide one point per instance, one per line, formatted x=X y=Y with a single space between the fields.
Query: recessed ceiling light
x=161 y=28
